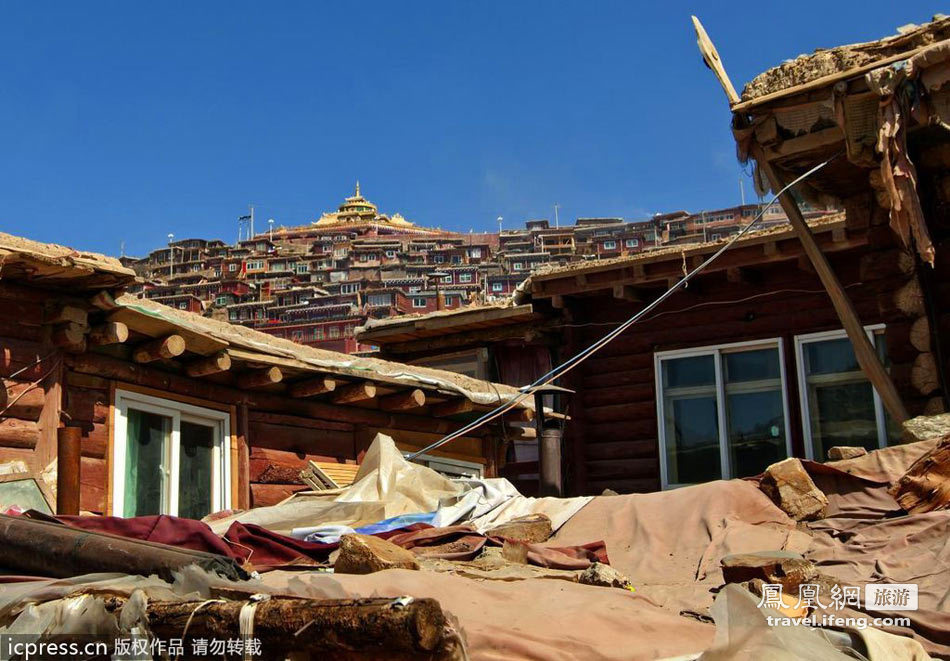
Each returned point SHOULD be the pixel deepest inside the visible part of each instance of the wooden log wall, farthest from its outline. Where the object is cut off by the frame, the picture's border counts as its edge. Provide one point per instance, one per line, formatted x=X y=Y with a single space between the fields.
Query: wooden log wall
x=612 y=438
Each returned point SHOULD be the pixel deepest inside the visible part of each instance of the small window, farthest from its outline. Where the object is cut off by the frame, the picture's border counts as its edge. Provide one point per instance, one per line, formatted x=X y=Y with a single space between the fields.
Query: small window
x=447 y=280
x=517 y=266
x=456 y=259
x=297 y=335
x=839 y=405
x=334 y=332
x=438 y=259
x=465 y=277
x=183 y=305
x=475 y=252
x=418 y=302
x=391 y=254
x=169 y=458
x=721 y=412
x=633 y=243
x=497 y=286
x=610 y=245
x=318 y=333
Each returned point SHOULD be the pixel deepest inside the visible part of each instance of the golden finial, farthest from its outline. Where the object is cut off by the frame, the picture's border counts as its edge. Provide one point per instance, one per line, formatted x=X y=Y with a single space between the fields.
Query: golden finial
x=357 y=188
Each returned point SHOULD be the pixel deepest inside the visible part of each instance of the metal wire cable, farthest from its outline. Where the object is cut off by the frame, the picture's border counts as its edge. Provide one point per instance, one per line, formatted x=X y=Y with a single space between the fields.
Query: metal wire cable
x=578 y=358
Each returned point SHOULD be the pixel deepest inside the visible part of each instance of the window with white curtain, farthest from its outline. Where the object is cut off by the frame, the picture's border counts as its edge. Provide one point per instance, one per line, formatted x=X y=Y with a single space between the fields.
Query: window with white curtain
x=169 y=457
x=721 y=411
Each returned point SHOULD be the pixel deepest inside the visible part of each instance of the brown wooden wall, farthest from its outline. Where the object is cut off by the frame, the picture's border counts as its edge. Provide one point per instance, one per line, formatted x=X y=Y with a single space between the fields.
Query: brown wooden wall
x=612 y=439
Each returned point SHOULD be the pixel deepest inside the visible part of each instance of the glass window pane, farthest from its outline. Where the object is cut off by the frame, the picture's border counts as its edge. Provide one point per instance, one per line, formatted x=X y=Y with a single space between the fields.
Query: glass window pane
x=842 y=414
x=756 y=430
x=692 y=421
x=753 y=365
x=149 y=437
x=830 y=357
x=195 y=466
x=686 y=372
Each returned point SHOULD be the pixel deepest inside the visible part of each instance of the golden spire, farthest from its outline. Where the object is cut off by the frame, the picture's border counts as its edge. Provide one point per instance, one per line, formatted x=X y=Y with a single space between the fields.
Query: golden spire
x=357 y=188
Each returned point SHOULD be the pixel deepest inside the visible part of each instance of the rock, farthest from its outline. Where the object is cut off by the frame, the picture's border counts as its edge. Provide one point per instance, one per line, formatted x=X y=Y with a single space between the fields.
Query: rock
x=365 y=554
x=530 y=528
x=776 y=567
x=926 y=427
x=839 y=452
x=791 y=488
x=604 y=576
x=925 y=486
x=609 y=492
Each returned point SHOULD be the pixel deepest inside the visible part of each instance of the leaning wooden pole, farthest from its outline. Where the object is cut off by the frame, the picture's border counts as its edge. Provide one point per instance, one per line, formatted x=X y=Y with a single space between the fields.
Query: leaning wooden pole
x=864 y=351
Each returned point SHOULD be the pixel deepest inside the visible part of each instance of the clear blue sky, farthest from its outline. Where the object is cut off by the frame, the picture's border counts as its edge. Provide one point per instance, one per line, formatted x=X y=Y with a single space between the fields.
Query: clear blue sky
x=125 y=121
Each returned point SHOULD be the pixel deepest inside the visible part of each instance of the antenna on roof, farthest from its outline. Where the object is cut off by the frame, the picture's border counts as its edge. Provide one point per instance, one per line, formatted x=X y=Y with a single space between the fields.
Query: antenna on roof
x=556 y=223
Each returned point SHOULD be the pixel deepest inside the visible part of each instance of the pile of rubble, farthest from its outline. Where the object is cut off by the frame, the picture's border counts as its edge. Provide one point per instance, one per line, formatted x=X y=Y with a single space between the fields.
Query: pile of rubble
x=408 y=564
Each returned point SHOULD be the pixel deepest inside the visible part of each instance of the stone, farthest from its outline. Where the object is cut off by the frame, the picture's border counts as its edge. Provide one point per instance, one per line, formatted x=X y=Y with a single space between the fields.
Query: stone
x=792 y=489
x=776 y=567
x=925 y=486
x=532 y=528
x=605 y=576
x=365 y=554
x=926 y=427
x=839 y=452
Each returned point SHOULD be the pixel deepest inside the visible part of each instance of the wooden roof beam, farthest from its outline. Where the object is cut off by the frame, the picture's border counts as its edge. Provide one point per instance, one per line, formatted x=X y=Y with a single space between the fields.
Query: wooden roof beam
x=452 y=407
x=163 y=348
x=111 y=332
x=219 y=362
x=403 y=401
x=312 y=387
x=355 y=393
x=260 y=378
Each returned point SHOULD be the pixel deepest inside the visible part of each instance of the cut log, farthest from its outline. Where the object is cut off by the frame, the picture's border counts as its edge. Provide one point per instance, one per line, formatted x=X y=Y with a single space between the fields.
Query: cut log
x=69 y=335
x=111 y=332
x=909 y=299
x=259 y=378
x=21 y=400
x=68 y=314
x=373 y=628
x=312 y=387
x=452 y=407
x=403 y=401
x=792 y=489
x=160 y=349
x=925 y=486
x=16 y=433
x=357 y=392
x=220 y=362
x=920 y=334
x=923 y=375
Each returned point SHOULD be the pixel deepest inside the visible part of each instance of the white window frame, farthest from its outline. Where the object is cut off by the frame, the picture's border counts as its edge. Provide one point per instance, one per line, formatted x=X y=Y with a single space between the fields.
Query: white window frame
x=716 y=351
x=465 y=277
x=806 y=338
x=178 y=412
x=610 y=245
x=416 y=300
x=632 y=243
x=497 y=286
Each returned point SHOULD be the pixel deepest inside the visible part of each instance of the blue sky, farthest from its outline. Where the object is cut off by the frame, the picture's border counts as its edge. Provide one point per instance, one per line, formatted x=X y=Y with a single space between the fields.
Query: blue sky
x=126 y=121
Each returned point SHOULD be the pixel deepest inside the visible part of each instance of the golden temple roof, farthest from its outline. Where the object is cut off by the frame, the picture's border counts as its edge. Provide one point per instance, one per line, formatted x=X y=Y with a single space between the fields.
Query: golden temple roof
x=357 y=209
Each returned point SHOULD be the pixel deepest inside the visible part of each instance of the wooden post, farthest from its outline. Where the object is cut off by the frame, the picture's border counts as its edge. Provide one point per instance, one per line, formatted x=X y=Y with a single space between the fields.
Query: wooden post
x=863 y=349
x=68 y=462
x=357 y=392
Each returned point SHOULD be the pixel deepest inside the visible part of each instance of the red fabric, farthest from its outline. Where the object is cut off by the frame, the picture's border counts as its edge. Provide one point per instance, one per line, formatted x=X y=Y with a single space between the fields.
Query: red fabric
x=263 y=549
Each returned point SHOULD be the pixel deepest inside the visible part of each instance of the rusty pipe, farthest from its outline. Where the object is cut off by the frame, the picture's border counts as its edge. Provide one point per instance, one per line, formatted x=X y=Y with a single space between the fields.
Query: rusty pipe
x=68 y=466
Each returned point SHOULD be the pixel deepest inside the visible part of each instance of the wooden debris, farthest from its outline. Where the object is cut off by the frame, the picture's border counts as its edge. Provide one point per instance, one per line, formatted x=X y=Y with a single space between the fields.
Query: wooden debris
x=452 y=407
x=392 y=628
x=791 y=489
x=219 y=362
x=776 y=567
x=68 y=314
x=365 y=554
x=317 y=479
x=839 y=452
x=528 y=528
x=925 y=486
x=15 y=433
x=104 y=300
x=160 y=349
x=69 y=335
